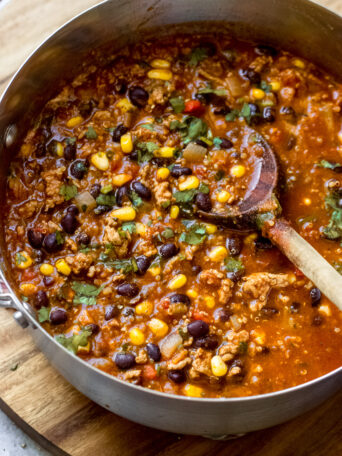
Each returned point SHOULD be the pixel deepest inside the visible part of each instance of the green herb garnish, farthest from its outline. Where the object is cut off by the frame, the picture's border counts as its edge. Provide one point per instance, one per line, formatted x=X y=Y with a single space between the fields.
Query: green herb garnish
x=177 y=104
x=75 y=341
x=145 y=151
x=68 y=191
x=333 y=230
x=168 y=233
x=85 y=293
x=329 y=165
x=91 y=133
x=234 y=265
x=197 y=55
x=195 y=234
x=43 y=314
x=135 y=198
x=126 y=266
x=106 y=200
x=147 y=126
x=218 y=92
x=129 y=226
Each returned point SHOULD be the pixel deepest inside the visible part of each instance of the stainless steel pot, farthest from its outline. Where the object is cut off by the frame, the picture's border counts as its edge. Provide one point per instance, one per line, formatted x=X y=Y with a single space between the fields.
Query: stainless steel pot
x=297 y=25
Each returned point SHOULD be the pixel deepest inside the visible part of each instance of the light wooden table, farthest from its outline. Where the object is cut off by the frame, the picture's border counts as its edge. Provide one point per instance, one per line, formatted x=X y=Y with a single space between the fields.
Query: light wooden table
x=50 y=409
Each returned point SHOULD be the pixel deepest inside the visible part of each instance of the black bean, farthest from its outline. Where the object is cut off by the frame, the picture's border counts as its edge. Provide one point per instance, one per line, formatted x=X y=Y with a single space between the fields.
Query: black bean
x=265 y=350
x=317 y=320
x=201 y=143
x=124 y=360
x=111 y=312
x=255 y=116
x=138 y=96
x=51 y=244
x=127 y=289
x=224 y=314
x=69 y=223
x=83 y=239
x=119 y=131
x=234 y=245
x=226 y=143
x=40 y=256
x=95 y=190
x=168 y=250
x=86 y=108
x=42 y=299
x=269 y=312
x=203 y=202
x=209 y=342
x=179 y=297
x=48 y=281
x=209 y=48
x=263 y=243
x=120 y=193
x=178 y=171
x=73 y=209
x=268 y=114
x=70 y=151
x=120 y=86
x=198 y=328
x=263 y=49
x=222 y=111
x=177 y=376
x=95 y=329
x=134 y=155
x=315 y=296
x=250 y=75
x=35 y=238
x=294 y=308
x=58 y=316
x=143 y=263
x=40 y=150
x=203 y=97
x=153 y=352
x=196 y=269
x=160 y=162
x=235 y=276
x=101 y=209
x=141 y=189
x=78 y=169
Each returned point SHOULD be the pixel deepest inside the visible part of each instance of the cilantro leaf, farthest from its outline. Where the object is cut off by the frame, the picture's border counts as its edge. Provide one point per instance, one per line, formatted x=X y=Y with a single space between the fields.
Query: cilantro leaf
x=234 y=265
x=20 y=259
x=177 y=104
x=185 y=196
x=197 y=128
x=70 y=140
x=168 y=233
x=197 y=55
x=232 y=115
x=333 y=230
x=203 y=188
x=330 y=165
x=265 y=87
x=246 y=112
x=43 y=314
x=125 y=266
x=85 y=293
x=135 y=198
x=195 y=234
x=217 y=142
x=75 y=341
x=91 y=133
x=106 y=200
x=218 y=92
x=129 y=226
x=147 y=126
x=145 y=151
x=68 y=191
x=59 y=237
x=243 y=347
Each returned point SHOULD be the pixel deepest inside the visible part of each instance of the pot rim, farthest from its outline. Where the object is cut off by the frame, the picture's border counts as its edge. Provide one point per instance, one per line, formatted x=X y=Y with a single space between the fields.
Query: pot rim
x=34 y=323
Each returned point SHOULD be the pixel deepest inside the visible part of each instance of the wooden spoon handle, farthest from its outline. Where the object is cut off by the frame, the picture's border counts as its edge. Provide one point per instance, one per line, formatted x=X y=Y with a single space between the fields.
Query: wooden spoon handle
x=307 y=259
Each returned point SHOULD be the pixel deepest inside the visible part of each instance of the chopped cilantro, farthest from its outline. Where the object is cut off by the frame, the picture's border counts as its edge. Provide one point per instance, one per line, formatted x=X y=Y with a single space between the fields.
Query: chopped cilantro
x=71 y=140
x=265 y=87
x=197 y=55
x=43 y=314
x=85 y=293
x=195 y=234
x=243 y=347
x=233 y=265
x=91 y=133
x=185 y=196
x=203 y=188
x=330 y=165
x=177 y=104
x=20 y=259
x=59 y=237
x=262 y=218
x=190 y=129
x=168 y=233
x=106 y=189
x=75 y=341
x=218 y=92
x=106 y=200
x=232 y=115
x=147 y=126
x=217 y=142
x=219 y=175
x=125 y=266
x=135 y=198
x=183 y=333
x=129 y=226
x=68 y=191
x=165 y=204
x=145 y=151
x=246 y=112
x=333 y=230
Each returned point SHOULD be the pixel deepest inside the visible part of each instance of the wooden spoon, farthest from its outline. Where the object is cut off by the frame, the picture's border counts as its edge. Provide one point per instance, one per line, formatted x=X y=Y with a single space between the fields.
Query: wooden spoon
x=258 y=210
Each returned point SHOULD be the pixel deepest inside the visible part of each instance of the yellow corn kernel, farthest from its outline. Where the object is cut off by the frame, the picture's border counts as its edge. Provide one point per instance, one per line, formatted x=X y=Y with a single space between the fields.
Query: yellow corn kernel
x=121 y=179
x=144 y=308
x=155 y=270
x=140 y=229
x=164 y=152
x=46 y=269
x=100 y=161
x=23 y=260
x=164 y=75
x=218 y=366
x=160 y=63
x=125 y=105
x=325 y=310
x=74 y=121
x=250 y=238
x=174 y=212
x=192 y=390
x=177 y=282
x=257 y=94
x=189 y=183
x=259 y=336
x=125 y=214
x=299 y=63
x=210 y=228
x=126 y=143
x=59 y=149
x=26 y=150
x=192 y=293
x=223 y=196
x=163 y=173
x=209 y=301
x=63 y=267
x=158 y=327
x=275 y=86
x=28 y=289
x=136 y=336
x=238 y=170
x=307 y=201
x=218 y=253
x=83 y=349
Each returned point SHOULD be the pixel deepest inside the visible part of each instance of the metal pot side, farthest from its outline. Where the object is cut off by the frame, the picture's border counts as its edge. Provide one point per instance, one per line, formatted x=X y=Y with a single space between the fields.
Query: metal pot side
x=297 y=25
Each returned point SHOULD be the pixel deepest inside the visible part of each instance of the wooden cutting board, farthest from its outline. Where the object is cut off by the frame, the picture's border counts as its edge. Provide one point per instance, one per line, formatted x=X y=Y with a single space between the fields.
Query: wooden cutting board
x=49 y=409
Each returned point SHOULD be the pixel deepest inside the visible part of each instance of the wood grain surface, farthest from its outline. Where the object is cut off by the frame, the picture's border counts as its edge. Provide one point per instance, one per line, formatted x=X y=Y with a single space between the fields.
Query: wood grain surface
x=51 y=410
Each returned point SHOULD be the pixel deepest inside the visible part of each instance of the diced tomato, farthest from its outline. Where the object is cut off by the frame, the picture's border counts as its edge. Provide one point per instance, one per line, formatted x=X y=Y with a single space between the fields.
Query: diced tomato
x=28 y=274
x=149 y=372
x=194 y=107
x=197 y=315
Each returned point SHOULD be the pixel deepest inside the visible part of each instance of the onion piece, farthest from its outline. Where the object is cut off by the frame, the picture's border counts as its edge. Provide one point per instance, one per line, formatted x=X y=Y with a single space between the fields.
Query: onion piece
x=194 y=152
x=169 y=344
x=84 y=201
x=235 y=86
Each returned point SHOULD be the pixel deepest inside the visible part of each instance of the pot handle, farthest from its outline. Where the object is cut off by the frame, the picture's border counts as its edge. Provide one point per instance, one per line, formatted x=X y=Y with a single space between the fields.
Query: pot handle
x=7 y=302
